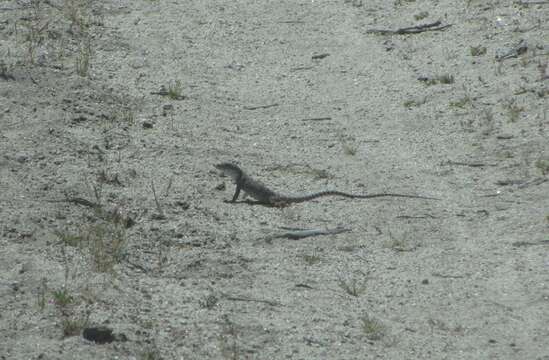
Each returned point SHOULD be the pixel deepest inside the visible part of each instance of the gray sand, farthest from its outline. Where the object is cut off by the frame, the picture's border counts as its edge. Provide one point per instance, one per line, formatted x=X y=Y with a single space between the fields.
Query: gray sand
x=434 y=113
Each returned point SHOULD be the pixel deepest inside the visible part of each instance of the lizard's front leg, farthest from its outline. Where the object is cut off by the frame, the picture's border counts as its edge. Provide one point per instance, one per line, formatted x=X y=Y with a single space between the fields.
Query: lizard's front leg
x=236 y=193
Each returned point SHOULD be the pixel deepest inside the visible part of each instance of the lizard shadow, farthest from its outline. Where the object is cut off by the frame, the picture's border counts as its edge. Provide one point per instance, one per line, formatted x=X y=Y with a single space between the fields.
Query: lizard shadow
x=253 y=202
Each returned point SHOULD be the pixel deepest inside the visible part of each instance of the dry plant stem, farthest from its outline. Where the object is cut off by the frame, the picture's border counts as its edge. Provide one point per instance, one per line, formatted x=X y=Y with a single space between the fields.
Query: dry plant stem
x=317 y=119
x=436 y=26
x=260 y=107
x=78 y=201
x=168 y=187
x=245 y=298
x=158 y=207
x=460 y=163
x=296 y=234
x=528 y=243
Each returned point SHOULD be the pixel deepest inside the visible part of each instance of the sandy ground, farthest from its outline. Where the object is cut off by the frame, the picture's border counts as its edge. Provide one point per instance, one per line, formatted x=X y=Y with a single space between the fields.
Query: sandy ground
x=129 y=104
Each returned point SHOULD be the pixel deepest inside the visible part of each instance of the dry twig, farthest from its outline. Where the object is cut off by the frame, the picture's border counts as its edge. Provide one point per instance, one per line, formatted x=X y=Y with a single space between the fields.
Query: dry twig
x=436 y=26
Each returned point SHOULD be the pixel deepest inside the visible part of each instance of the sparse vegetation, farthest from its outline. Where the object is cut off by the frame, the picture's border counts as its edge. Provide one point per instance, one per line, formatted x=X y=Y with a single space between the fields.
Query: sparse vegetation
x=353 y=286
x=83 y=58
x=78 y=12
x=487 y=122
x=373 y=328
x=513 y=110
x=477 y=50
x=42 y=292
x=542 y=68
x=72 y=327
x=62 y=297
x=68 y=238
x=228 y=340
x=543 y=165
x=461 y=103
x=125 y=116
x=399 y=244
x=440 y=79
x=106 y=242
x=311 y=259
x=65 y=302
x=152 y=353
x=160 y=214
x=403 y=2
x=350 y=149
x=42 y=38
x=409 y=104
x=175 y=90
x=420 y=16
x=209 y=302
x=35 y=25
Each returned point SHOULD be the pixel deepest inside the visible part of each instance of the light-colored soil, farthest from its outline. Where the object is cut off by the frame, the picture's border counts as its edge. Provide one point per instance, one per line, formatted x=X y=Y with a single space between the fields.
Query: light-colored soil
x=466 y=277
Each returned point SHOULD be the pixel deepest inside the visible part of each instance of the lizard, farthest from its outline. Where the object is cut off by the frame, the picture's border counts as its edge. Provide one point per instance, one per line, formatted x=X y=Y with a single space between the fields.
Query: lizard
x=263 y=195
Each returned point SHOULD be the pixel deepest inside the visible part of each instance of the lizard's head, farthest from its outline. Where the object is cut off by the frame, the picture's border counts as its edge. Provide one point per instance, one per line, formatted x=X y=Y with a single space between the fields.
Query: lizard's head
x=230 y=169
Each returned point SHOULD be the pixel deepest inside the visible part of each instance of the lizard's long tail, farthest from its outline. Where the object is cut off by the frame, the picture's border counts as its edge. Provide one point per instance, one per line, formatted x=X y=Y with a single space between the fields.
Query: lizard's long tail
x=298 y=199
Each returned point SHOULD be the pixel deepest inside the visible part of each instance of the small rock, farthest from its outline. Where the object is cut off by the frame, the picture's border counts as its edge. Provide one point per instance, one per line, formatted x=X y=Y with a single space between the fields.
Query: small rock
x=166 y=109
x=182 y=204
x=319 y=56
x=21 y=158
x=234 y=66
x=26 y=267
x=79 y=119
x=220 y=186
x=147 y=124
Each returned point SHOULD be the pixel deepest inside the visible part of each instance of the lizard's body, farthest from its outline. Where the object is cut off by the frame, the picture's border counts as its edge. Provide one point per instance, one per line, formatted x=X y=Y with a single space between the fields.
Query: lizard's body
x=266 y=196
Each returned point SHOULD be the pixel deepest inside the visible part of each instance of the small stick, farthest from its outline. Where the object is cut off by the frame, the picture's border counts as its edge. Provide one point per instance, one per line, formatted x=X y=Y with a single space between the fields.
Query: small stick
x=436 y=26
x=536 y=181
x=292 y=22
x=140 y=267
x=426 y=216
x=168 y=187
x=296 y=234
x=460 y=163
x=260 y=107
x=78 y=201
x=242 y=298
x=447 y=276
x=320 y=56
x=317 y=119
x=113 y=215
x=533 y=2
x=301 y=68
x=528 y=243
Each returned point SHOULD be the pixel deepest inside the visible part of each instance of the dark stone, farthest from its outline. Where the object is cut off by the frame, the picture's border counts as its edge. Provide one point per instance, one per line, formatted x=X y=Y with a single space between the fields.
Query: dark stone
x=99 y=334
x=147 y=125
